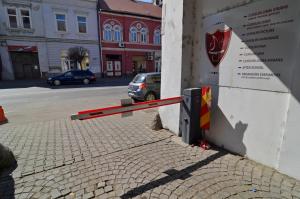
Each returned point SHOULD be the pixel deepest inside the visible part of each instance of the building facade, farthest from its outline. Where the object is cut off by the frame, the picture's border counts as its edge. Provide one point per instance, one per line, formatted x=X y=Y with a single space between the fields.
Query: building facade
x=36 y=37
x=71 y=24
x=21 y=38
x=130 y=37
x=247 y=52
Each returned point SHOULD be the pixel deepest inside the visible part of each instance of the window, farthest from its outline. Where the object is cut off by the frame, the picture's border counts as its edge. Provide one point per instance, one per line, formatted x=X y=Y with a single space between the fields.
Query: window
x=138 y=33
x=82 y=24
x=117 y=33
x=12 y=16
x=139 y=78
x=107 y=33
x=68 y=74
x=144 y=35
x=133 y=34
x=157 y=39
x=25 y=18
x=19 y=18
x=153 y=79
x=61 y=22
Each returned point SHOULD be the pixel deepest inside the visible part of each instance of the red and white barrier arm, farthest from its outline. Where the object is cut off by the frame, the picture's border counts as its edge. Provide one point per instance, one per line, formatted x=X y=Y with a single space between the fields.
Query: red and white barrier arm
x=89 y=114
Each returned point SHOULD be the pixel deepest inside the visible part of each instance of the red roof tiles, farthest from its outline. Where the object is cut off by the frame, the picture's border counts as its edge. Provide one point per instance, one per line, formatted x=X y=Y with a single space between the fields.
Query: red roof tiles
x=131 y=7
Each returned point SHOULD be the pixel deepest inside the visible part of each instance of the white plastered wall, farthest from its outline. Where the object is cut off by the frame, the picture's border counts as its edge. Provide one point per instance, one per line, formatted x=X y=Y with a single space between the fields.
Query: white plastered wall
x=289 y=159
x=171 y=61
x=259 y=124
x=262 y=125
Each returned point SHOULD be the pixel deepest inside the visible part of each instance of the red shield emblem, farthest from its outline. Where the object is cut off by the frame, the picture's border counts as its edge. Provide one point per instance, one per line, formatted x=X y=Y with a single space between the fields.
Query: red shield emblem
x=217 y=45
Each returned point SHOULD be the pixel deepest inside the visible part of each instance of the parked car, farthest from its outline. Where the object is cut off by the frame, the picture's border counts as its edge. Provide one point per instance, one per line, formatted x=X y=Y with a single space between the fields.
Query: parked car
x=145 y=87
x=71 y=77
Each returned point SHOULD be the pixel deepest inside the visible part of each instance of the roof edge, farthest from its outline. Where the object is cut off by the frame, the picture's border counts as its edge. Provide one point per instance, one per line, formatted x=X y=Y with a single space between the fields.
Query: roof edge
x=129 y=13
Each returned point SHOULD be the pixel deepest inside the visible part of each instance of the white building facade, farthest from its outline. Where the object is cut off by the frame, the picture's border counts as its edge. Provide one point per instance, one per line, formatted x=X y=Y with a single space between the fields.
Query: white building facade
x=246 y=51
x=21 y=35
x=36 y=35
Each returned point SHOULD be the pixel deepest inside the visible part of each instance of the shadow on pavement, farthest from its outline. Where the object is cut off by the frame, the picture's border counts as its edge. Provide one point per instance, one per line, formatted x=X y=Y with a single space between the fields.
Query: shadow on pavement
x=101 y=82
x=172 y=175
x=7 y=185
x=7 y=165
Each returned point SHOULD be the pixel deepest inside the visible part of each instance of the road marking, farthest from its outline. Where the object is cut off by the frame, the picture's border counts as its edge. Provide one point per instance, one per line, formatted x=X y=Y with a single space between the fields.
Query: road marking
x=63 y=90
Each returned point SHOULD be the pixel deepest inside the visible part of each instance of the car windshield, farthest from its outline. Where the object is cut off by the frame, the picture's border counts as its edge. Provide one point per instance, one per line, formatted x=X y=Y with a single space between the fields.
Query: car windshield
x=139 y=79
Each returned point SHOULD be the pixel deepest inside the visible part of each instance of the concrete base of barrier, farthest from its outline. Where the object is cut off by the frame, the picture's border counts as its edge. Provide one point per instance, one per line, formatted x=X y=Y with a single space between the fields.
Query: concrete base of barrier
x=156 y=123
x=4 y=121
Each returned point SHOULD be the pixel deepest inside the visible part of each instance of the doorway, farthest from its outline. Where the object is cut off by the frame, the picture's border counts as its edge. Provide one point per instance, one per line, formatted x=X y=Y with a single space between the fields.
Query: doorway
x=25 y=65
x=113 y=66
x=139 y=64
x=158 y=66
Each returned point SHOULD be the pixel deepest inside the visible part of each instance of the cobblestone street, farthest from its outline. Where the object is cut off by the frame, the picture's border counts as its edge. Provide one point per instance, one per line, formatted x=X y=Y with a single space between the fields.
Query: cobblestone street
x=122 y=157
x=115 y=157
x=149 y=99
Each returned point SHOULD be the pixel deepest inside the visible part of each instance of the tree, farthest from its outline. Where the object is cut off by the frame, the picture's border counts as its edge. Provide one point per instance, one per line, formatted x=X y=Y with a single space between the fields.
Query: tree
x=77 y=54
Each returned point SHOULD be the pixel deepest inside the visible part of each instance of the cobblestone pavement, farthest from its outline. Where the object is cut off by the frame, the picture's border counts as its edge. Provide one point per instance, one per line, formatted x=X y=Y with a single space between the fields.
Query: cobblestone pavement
x=116 y=157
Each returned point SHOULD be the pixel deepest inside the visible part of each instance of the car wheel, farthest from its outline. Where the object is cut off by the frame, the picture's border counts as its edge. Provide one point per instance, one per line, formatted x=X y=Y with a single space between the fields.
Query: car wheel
x=56 y=83
x=135 y=100
x=86 y=81
x=150 y=96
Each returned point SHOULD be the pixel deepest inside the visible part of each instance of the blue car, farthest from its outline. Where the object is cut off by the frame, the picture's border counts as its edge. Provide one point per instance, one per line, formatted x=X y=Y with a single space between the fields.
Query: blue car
x=71 y=77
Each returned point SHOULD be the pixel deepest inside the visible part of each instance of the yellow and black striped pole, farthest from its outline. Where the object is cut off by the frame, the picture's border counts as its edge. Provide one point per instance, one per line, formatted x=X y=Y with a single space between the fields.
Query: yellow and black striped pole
x=205 y=108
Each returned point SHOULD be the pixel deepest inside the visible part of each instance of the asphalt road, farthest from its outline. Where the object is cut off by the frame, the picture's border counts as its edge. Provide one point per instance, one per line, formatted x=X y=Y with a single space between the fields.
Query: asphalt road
x=34 y=104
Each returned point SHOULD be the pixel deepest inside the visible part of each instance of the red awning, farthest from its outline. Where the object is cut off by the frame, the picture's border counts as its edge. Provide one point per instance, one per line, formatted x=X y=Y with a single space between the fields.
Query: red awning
x=23 y=48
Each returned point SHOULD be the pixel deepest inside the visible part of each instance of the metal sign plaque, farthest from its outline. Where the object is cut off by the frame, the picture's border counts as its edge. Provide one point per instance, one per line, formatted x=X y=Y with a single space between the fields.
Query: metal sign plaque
x=252 y=46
